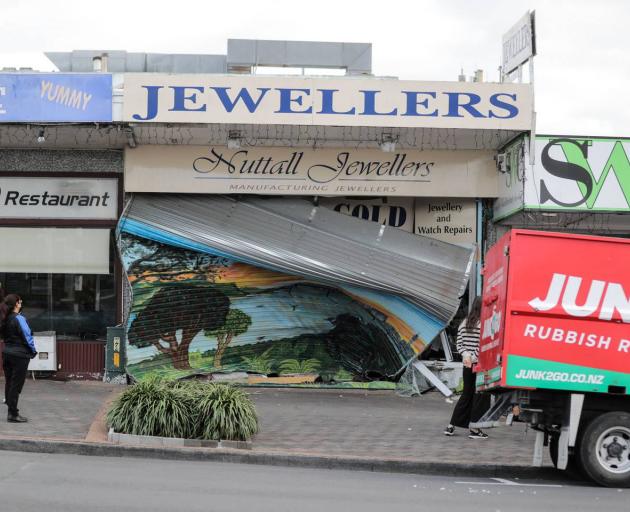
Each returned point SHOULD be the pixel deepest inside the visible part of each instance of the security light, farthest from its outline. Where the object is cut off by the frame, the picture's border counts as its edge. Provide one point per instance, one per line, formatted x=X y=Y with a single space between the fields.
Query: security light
x=233 y=140
x=388 y=144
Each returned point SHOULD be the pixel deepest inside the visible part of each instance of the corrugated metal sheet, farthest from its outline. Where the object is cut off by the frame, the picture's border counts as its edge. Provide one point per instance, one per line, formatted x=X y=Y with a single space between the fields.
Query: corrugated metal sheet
x=80 y=358
x=294 y=237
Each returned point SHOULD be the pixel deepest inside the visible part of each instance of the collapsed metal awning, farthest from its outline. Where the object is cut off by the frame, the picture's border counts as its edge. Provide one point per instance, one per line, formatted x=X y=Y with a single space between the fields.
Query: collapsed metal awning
x=293 y=236
x=280 y=286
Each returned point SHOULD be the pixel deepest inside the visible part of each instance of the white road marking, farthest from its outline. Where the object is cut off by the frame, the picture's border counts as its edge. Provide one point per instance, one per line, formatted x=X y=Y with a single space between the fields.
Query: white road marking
x=504 y=481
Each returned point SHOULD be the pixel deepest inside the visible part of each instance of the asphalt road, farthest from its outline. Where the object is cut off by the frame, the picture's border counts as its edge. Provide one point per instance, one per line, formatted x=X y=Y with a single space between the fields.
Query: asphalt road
x=41 y=482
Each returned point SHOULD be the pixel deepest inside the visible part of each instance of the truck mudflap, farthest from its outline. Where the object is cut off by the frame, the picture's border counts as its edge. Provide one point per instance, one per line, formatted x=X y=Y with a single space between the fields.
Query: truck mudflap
x=567 y=437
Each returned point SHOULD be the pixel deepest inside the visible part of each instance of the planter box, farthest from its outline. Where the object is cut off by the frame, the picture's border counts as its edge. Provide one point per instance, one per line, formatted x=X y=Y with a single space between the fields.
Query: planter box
x=173 y=442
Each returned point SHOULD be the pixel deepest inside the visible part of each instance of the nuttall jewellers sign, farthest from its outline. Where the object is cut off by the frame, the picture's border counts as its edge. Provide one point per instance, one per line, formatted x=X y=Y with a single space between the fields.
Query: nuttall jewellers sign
x=305 y=171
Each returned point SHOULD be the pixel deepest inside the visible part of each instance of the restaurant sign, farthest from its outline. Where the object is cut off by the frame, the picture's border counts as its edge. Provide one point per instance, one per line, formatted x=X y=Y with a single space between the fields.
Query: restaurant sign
x=58 y=198
x=305 y=171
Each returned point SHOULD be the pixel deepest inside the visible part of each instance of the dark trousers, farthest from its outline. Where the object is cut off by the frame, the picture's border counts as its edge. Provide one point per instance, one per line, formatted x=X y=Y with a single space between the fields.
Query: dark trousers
x=15 y=369
x=471 y=405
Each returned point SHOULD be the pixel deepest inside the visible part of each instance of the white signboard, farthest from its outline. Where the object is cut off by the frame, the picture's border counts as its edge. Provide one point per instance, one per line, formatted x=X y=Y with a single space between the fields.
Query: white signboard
x=55 y=250
x=198 y=98
x=579 y=174
x=519 y=43
x=304 y=171
x=451 y=220
x=395 y=212
x=58 y=198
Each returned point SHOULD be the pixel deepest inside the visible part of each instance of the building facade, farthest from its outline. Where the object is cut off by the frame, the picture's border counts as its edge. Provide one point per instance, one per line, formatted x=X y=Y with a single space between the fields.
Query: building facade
x=406 y=158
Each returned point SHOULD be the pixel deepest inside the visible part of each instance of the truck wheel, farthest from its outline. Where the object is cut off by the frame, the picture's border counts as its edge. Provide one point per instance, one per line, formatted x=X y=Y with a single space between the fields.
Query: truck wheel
x=605 y=449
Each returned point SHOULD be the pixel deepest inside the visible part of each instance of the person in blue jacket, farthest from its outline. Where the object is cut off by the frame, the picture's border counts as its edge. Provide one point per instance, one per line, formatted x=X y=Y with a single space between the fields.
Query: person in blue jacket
x=19 y=348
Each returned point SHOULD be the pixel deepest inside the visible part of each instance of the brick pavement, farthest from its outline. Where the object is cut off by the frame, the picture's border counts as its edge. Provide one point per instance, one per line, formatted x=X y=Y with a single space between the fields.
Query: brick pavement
x=355 y=423
x=57 y=409
x=378 y=424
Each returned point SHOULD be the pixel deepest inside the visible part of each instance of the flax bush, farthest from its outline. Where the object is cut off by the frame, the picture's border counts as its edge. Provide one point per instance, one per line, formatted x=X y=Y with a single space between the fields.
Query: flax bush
x=188 y=409
x=226 y=412
x=153 y=408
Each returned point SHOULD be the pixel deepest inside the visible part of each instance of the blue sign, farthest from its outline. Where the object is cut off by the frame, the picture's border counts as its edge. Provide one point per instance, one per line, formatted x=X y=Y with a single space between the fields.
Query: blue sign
x=55 y=97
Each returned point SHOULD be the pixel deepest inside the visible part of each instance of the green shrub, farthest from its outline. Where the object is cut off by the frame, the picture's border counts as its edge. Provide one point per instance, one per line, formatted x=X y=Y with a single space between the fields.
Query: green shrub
x=226 y=412
x=153 y=408
x=189 y=409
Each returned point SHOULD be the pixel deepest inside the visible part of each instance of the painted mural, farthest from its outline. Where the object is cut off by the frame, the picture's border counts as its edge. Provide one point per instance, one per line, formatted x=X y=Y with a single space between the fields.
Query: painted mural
x=198 y=313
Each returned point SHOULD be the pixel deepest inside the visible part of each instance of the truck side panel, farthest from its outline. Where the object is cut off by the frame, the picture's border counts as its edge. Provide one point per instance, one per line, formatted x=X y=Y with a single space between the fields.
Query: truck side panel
x=567 y=313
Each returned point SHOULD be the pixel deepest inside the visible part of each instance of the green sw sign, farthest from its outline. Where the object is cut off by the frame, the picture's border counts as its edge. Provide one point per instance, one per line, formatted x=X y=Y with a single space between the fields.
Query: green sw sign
x=589 y=174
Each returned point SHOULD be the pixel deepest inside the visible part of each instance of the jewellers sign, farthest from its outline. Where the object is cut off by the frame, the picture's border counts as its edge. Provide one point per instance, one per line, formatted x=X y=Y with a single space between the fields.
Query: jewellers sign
x=58 y=198
x=161 y=98
x=301 y=171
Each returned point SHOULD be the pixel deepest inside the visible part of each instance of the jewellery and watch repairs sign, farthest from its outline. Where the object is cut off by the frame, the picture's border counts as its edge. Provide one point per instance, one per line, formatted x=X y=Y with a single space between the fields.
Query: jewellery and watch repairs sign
x=452 y=220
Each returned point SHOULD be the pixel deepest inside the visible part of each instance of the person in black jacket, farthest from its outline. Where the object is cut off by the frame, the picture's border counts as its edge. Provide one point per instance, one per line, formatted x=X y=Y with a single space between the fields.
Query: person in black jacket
x=19 y=348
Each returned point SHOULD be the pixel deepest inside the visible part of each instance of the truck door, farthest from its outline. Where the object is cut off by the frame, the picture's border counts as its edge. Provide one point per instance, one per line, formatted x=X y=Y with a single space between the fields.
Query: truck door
x=495 y=278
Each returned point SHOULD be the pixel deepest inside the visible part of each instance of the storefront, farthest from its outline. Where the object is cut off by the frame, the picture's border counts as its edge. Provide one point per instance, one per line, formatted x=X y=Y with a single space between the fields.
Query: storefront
x=60 y=198
x=59 y=256
x=233 y=202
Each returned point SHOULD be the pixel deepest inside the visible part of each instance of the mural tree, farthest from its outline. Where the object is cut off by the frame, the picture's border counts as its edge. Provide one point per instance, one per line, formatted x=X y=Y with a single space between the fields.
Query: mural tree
x=236 y=323
x=189 y=309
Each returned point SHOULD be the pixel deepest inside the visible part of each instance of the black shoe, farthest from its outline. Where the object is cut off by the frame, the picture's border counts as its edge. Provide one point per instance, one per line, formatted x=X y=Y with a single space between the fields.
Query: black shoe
x=477 y=434
x=16 y=419
x=449 y=431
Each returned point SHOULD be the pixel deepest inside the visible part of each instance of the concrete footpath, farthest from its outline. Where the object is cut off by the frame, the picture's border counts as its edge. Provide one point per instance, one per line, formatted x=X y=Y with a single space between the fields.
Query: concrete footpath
x=350 y=429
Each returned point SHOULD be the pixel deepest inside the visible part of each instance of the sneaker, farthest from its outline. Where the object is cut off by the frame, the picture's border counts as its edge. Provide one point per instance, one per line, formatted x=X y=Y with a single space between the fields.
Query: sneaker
x=16 y=419
x=477 y=434
x=449 y=431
